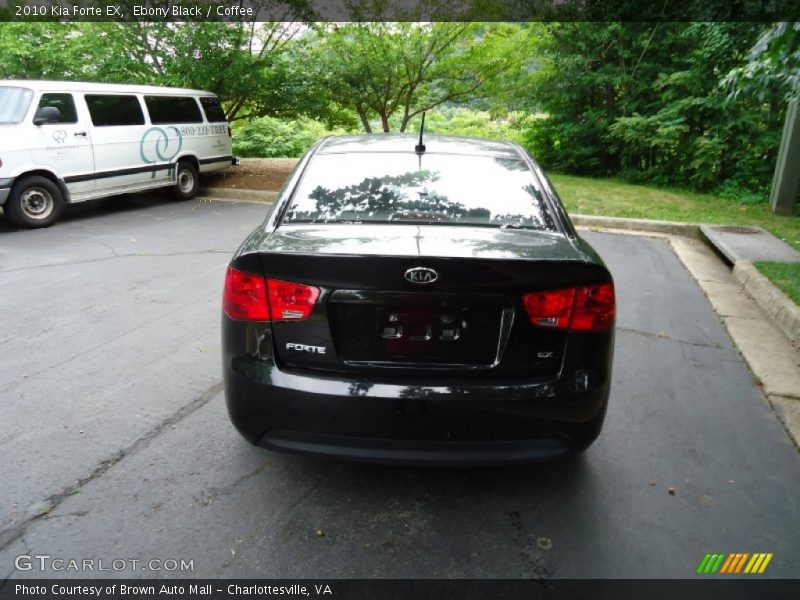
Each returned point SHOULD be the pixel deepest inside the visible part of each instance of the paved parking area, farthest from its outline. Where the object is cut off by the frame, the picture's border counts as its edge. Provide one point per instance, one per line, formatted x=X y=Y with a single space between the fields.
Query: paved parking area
x=113 y=431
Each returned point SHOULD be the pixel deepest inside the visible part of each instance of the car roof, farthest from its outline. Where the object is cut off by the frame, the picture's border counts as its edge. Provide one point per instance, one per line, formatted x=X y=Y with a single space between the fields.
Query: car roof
x=406 y=142
x=38 y=85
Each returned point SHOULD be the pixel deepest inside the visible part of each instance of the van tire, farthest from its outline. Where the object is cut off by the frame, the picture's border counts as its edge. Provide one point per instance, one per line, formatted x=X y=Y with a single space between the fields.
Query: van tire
x=187 y=180
x=34 y=202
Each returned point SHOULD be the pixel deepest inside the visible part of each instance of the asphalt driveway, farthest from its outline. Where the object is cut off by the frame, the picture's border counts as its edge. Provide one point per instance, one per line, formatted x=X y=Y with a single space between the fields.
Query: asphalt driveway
x=115 y=443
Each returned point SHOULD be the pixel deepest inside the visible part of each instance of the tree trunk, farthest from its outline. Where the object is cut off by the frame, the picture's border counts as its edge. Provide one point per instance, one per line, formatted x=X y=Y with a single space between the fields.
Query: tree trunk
x=364 y=121
x=385 y=123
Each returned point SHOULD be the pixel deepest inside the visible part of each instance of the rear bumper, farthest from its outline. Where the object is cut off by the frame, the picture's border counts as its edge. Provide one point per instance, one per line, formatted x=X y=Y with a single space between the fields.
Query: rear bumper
x=415 y=451
x=411 y=424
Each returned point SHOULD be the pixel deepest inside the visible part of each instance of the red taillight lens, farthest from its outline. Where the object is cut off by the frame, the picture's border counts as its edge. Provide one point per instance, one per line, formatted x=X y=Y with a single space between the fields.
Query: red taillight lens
x=589 y=308
x=250 y=297
x=595 y=308
x=245 y=296
x=290 y=301
x=550 y=309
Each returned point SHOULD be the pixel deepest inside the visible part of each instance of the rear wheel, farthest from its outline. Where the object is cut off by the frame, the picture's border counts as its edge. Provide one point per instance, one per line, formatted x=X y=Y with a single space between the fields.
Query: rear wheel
x=34 y=202
x=187 y=180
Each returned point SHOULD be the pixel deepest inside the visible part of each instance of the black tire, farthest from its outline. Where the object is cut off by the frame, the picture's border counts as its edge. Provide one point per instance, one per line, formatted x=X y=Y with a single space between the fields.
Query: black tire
x=187 y=180
x=34 y=202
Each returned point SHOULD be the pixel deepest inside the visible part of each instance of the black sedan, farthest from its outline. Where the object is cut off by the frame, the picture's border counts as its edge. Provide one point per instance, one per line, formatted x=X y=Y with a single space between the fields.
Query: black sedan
x=418 y=304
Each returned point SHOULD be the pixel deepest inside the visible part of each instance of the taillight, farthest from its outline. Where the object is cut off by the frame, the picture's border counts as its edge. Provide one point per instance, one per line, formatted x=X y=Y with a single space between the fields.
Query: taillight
x=550 y=309
x=245 y=296
x=595 y=308
x=249 y=297
x=290 y=301
x=588 y=308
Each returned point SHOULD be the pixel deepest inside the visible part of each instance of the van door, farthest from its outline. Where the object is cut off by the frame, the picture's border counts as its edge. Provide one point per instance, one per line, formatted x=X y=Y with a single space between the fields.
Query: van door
x=125 y=156
x=65 y=146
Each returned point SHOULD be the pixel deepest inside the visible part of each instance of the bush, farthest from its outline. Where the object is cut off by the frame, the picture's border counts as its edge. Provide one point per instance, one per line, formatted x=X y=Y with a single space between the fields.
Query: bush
x=268 y=137
x=458 y=120
x=734 y=190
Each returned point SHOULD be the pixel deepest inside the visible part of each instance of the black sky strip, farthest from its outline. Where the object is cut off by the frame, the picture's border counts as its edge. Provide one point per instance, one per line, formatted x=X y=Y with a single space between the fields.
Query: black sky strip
x=404 y=10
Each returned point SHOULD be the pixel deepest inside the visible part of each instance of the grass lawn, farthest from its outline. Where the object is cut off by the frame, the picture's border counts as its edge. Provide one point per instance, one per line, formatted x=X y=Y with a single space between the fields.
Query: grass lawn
x=785 y=275
x=615 y=198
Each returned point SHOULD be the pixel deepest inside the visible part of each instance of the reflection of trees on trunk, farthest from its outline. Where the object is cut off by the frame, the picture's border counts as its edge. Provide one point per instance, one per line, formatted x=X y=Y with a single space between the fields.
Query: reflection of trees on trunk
x=359 y=389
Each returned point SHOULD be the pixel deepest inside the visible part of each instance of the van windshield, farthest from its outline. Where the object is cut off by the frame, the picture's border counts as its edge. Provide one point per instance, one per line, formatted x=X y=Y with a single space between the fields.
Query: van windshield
x=14 y=103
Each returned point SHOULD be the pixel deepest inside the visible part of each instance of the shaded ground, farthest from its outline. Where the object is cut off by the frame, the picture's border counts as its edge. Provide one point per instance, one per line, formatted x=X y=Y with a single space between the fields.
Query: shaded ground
x=253 y=174
x=113 y=430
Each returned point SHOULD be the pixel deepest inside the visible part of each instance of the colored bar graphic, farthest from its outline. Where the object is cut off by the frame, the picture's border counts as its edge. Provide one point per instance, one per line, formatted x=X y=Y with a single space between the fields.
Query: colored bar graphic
x=702 y=567
x=765 y=563
x=734 y=562
x=727 y=564
x=740 y=564
x=717 y=563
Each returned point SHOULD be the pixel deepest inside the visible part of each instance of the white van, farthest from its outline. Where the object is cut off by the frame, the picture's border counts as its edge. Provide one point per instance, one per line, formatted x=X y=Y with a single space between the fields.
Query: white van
x=64 y=142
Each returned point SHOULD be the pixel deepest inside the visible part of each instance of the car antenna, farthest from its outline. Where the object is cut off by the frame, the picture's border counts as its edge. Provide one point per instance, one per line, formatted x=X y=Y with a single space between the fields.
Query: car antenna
x=420 y=148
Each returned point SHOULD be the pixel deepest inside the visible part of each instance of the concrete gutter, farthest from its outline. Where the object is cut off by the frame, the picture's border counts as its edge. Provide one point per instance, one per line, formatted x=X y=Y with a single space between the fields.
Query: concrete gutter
x=691 y=230
x=259 y=196
x=772 y=358
x=778 y=306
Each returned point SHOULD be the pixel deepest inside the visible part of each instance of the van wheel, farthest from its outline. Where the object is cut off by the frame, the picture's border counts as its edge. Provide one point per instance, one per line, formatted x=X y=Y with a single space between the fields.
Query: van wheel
x=187 y=180
x=34 y=202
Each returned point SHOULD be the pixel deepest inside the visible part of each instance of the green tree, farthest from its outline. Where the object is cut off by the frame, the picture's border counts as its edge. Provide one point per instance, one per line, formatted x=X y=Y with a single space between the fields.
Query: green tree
x=383 y=70
x=773 y=62
x=643 y=100
x=250 y=65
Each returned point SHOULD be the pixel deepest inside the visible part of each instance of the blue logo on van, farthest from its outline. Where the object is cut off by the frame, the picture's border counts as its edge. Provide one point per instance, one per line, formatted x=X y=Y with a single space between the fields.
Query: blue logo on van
x=157 y=146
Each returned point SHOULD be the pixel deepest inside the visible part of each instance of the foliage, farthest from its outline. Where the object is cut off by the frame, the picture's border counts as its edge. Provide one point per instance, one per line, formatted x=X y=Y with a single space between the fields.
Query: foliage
x=384 y=70
x=773 y=62
x=269 y=137
x=251 y=66
x=460 y=120
x=643 y=101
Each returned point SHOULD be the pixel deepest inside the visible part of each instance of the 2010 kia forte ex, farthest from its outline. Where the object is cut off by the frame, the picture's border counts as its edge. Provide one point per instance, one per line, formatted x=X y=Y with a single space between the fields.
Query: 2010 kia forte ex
x=418 y=303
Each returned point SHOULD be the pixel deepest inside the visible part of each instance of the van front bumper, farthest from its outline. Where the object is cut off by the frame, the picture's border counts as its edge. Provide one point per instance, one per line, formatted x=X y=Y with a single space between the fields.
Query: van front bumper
x=5 y=189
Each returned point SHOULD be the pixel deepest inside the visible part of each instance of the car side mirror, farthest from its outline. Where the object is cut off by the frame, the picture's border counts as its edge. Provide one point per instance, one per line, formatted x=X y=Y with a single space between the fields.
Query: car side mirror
x=47 y=114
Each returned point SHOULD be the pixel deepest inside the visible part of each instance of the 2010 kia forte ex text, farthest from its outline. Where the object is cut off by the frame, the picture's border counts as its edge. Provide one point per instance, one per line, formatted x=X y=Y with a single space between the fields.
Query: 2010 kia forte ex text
x=418 y=303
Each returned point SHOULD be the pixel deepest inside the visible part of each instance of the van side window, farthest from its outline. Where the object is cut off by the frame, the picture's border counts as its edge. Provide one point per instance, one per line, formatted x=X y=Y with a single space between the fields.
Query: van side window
x=213 y=109
x=172 y=109
x=65 y=105
x=109 y=111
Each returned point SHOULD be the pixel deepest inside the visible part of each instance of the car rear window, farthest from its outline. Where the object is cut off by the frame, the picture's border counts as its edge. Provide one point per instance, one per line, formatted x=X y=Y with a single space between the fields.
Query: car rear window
x=213 y=109
x=108 y=111
x=432 y=189
x=172 y=109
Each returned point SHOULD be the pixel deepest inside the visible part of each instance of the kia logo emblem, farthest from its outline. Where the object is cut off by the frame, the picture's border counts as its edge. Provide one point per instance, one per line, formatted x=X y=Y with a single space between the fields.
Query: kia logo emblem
x=421 y=275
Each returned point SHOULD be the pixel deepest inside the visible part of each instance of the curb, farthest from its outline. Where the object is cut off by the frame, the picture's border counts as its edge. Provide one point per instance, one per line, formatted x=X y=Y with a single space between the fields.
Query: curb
x=263 y=196
x=778 y=306
x=691 y=230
